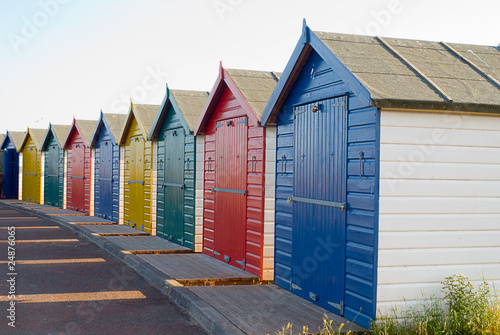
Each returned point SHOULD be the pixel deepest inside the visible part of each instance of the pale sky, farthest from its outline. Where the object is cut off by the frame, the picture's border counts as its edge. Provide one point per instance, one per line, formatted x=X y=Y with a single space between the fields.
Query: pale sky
x=65 y=58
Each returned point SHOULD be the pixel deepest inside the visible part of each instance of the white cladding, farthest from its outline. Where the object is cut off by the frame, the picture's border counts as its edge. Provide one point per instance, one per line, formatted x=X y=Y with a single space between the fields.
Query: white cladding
x=439 y=208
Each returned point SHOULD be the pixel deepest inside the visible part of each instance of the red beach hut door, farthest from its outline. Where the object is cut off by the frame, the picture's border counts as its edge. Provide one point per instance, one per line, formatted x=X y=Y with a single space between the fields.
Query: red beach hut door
x=230 y=190
x=78 y=177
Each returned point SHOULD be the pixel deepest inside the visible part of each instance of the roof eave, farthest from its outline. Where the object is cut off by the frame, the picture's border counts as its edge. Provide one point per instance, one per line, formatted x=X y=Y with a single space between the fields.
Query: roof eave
x=436 y=106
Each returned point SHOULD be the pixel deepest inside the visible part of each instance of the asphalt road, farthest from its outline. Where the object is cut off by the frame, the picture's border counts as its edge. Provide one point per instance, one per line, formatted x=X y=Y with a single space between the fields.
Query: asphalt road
x=71 y=286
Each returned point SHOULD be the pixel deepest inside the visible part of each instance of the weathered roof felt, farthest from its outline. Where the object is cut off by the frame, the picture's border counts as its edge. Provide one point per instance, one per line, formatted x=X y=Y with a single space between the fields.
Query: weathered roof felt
x=252 y=89
x=400 y=73
x=190 y=104
x=60 y=132
x=87 y=128
x=145 y=115
x=37 y=135
x=396 y=81
x=115 y=123
x=255 y=86
x=17 y=137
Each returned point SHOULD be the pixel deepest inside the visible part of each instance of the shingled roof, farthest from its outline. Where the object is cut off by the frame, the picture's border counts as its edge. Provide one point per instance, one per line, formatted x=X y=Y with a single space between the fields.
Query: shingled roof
x=87 y=128
x=60 y=133
x=115 y=123
x=401 y=73
x=17 y=138
x=145 y=115
x=255 y=86
x=406 y=73
x=190 y=104
x=37 y=136
x=252 y=89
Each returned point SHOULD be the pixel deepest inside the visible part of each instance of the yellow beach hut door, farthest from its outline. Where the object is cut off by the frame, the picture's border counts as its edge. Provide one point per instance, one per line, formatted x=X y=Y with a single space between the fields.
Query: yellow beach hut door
x=136 y=184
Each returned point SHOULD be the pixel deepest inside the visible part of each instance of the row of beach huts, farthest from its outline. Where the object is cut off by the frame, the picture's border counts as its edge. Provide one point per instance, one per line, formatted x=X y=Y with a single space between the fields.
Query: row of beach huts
x=358 y=178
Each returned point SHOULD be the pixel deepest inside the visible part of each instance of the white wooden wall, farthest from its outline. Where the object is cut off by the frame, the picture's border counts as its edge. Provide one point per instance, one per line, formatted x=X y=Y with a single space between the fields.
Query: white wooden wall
x=200 y=173
x=439 y=203
x=121 y=196
x=20 y=186
x=92 y=182
x=269 y=195
x=65 y=180
x=42 y=177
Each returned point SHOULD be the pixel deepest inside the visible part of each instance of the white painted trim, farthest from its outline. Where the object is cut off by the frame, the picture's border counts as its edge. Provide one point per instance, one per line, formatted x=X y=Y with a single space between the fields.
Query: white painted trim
x=269 y=201
x=154 y=182
x=92 y=181
x=65 y=180
x=20 y=186
x=199 y=175
x=121 y=196
x=42 y=177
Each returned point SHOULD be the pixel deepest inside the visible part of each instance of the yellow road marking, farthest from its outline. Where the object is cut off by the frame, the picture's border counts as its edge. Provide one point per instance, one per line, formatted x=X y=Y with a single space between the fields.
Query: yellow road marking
x=39 y=241
x=59 y=261
x=34 y=227
x=67 y=297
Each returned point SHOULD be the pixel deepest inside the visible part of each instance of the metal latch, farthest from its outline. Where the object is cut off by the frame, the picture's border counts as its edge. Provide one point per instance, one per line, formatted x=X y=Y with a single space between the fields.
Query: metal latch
x=227 y=258
x=339 y=306
x=313 y=296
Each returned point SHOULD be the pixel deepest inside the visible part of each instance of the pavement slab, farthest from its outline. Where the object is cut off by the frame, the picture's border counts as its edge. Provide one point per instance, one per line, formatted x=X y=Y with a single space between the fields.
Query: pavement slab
x=147 y=245
x=114 y=230
x=199 y=269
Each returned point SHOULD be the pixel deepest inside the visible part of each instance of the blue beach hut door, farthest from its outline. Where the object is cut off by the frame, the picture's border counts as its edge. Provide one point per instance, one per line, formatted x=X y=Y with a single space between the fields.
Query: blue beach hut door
x=318 y=246
x=106 y=179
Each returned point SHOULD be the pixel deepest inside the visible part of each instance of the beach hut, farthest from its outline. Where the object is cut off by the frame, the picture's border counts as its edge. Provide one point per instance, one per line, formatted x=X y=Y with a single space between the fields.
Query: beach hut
x=31 y=167
x=79 y=166
x=10 y=145
x=2 y=137
x=238 y=225
x=173 y=131
x=138 y=184
x=52 y=147
x=107 y=165
x=388 y=154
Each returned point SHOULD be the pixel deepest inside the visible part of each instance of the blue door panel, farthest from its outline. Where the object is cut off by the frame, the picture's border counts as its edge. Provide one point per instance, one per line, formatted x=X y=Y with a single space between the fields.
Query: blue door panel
x=318 y=241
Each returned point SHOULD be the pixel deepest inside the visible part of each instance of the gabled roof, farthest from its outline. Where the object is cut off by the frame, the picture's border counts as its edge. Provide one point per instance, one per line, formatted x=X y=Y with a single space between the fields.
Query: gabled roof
x=252 y=89
x=145 y=116
x=16 y=137
x=84 y=127
x=188 y=105
x=37 y=135
x=113 y=122
x=59 y=132
x=402 y=73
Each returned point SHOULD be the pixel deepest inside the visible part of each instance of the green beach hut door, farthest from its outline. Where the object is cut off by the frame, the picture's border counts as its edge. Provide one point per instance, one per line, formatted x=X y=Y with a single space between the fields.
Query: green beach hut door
x=173 y=187
x=53 y=176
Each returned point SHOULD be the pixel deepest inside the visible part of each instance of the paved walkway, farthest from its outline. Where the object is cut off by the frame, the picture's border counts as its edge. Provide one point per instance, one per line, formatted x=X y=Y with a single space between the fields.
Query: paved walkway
x=223 y=299
x=64 y=284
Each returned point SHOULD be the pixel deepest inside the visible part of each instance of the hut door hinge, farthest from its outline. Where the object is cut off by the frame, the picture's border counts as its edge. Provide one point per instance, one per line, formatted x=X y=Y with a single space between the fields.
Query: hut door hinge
x=244 y=121
x=342 y=103
x=218 y=125
x=242 y=263
x=295 y=287
x=339 y=306
x=181 y=240
x=216 y=253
